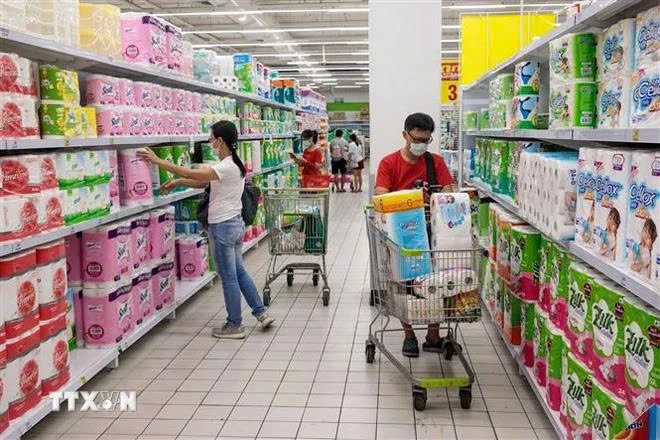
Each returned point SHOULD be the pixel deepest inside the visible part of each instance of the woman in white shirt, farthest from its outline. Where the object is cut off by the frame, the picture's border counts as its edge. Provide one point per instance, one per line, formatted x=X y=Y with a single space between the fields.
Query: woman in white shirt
x=356 y=161
x=226 y=227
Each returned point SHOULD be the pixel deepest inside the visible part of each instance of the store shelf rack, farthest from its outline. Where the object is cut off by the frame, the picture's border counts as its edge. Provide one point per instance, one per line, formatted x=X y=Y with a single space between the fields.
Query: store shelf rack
x=121 y=141
x=576 y=138
x=88 y=362
x=45 y=51
x=270 y=169
x=641 y=289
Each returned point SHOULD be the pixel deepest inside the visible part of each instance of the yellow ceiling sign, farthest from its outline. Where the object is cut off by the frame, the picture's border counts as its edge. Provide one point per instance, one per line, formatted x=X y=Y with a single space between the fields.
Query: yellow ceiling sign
x=449 y=81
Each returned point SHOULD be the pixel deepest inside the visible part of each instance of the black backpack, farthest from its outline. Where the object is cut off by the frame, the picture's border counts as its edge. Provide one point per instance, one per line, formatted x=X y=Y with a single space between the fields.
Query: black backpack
x=249 y=200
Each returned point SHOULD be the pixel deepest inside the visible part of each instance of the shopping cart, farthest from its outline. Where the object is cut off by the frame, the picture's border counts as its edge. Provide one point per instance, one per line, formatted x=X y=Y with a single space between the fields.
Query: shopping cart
x=298 y=223
x=447 y=295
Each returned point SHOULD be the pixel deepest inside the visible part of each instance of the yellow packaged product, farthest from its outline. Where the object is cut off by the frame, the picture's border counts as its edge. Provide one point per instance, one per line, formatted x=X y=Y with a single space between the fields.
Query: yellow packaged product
x=99 y=29
x=399 y=200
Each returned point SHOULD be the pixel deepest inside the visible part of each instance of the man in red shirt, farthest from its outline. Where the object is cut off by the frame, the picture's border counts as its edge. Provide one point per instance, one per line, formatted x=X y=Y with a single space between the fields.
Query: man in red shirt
x=405 y=169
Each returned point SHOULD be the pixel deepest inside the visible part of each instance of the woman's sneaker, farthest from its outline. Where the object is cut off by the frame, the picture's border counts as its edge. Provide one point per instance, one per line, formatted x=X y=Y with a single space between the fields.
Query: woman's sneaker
x=228 y=332
x=265 y=320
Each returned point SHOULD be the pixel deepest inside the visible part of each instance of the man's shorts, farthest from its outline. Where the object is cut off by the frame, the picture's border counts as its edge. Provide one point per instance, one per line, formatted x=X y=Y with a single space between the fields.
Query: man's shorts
x=339 y=166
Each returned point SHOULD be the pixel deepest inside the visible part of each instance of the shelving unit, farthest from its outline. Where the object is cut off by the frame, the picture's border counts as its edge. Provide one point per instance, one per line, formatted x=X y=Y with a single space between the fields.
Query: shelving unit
x=575 y=138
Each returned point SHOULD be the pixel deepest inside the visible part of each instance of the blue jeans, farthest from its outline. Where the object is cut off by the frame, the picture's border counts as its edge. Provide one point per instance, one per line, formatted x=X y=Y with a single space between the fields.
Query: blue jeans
x=227 y=244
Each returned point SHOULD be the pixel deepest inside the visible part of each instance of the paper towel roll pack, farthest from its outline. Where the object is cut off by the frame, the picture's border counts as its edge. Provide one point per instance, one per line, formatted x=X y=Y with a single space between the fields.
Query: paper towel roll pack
x=573 y=57
x=615 y=51
x=573 y=104
x=526 y=79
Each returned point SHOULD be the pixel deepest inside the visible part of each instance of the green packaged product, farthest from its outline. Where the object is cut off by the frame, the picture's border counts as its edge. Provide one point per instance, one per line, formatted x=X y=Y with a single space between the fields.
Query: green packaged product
x=579 y=393
x=540 y=346
x=582 y=281
x=573 y=57
x=511 y=318
x=482 y=219
x=470 y=121
x=499 y=170
x=188 y=209
x=512 y=169
x=525 y=247
x=555 y=349
x=52 y=119
x=573 y=105
x=559 y=292
x=608 y=413
x=181 y=155
x=159 y=175
x=505 y=85
x=484 y=119
x=58 y=85
x=527 y=326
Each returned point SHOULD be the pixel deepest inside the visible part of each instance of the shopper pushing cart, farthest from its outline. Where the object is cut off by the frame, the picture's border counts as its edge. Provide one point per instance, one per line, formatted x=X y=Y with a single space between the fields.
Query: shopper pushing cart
x=298 y=223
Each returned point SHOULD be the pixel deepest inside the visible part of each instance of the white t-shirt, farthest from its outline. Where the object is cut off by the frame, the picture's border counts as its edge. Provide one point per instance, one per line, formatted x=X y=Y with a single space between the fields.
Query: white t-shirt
x=338 y=147
x=225 y=197
x=356 y=153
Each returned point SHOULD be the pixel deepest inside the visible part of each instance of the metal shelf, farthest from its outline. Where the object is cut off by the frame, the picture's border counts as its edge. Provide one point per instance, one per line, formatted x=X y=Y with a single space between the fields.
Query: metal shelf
x=26 y=243
x=252 y=243
x=562 y=136
x=39 y=49
x=639 y=288
x=271 y=169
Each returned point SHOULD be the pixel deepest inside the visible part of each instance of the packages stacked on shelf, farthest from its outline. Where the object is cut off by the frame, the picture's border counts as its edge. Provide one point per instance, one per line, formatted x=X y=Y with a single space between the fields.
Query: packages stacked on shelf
x=618 y=208
x=646 y=75
x=214 y=69
x=256 y=119
x=31 y=202
x=471 y=120
x=500 y=105
x=18 y=97
x=586 y=342
x=34 y=349
x=526 y=99
x=100 y=29
x=572 y=81
x=245 y=69
x=49 y=19
x=312 y=122
x=312 y=101
x=178 y=155
x=285 y=91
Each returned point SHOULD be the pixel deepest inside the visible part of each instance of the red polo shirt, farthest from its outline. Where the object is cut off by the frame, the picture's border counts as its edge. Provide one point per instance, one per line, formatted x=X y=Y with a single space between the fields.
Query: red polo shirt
x=395 y=174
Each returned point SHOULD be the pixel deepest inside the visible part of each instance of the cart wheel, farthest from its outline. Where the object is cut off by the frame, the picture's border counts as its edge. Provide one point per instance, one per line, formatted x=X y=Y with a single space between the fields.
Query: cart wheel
x=315 y=278
x=465 y=395
x=289 y=277
x=419 y=398
x=326 y=296
x=370 y=352
x=266 y=296
x=449 y=351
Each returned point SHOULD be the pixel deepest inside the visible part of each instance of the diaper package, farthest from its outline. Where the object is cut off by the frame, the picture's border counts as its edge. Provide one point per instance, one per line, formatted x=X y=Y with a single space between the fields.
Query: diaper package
x=579 y=328
x=643 y=213
x=613 y=105
x=399 y=200
x=585 y=212
x=616 y=50
x=645 y=105
x=612 y=199
x=408 y=230
x=647 y=42
x=573 y=57
x=573 y=104
x=607 y=311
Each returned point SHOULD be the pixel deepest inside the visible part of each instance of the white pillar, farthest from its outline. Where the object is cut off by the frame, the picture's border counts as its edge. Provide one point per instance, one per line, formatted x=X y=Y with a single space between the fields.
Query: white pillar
x=404 y=57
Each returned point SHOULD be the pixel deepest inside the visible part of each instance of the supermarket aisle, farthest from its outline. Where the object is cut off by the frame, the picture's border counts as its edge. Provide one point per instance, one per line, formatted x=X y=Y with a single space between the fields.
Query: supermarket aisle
x=306 y=378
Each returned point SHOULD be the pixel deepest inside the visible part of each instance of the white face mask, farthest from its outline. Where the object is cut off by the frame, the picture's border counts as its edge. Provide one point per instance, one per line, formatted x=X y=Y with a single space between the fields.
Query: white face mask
x=418 y=149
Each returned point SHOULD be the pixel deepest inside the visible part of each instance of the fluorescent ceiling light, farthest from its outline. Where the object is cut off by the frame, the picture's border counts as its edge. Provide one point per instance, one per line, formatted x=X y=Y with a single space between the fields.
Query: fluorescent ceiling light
x=263 y=11
x=316 y=69
x=309 y=54
x=447 y=26
x=285 y=43
x=272 y=31
x=450 y=41
x=309 y=63
x=491 y=6
x=347 y=87
x=361 y=83
x=451 y=51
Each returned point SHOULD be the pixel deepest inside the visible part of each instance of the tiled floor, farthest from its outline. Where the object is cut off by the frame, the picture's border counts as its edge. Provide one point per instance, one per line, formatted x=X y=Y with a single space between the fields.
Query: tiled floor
x=307 y=377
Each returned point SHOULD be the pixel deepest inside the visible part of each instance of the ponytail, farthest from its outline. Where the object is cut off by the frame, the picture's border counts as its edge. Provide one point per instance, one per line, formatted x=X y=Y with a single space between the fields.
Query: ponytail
x=227 y=131
x=306 y=134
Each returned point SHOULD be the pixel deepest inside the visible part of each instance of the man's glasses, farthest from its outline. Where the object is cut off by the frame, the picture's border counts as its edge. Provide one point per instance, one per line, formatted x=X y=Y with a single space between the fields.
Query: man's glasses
x=420 y=141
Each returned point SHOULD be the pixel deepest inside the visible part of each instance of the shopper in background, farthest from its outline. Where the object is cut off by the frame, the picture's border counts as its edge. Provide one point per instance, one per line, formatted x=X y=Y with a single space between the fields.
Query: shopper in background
x=312 y=161
x=227 y=179
x=337 y=148
x=405 y=169
x=356 y=161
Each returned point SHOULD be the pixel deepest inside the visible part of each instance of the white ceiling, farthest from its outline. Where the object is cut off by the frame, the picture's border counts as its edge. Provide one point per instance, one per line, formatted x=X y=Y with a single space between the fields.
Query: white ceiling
x=344 y=57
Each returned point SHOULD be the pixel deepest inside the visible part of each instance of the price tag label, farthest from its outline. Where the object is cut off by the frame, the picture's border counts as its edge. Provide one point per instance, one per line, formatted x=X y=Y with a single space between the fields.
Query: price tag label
x=635 y=134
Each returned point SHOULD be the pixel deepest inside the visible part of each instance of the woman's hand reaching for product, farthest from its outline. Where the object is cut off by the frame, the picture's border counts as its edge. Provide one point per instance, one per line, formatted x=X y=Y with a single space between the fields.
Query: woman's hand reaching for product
x=148 y=155
x=169 y=186
x=292 y=155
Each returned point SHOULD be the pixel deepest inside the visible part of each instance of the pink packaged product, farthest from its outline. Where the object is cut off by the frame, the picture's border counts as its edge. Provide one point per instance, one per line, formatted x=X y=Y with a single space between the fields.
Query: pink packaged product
x=140 y=246
x=135 y=184
x=162 y=283
x=114 y=181
x=110 y=121
x=166 y=96
x=48 y=172
x=144 y=94
x=148 y=122
x=19 y=116
x=187 y=60
x=143 y=39
x=193 y=257
x=178 y=100
x=78 y=316
x=17 y=75
x=54 y=362
x=158 y=97
x=132 y=122
x=174 y=47
x=160 y=119
x=20 y=174
x=23 y=382
x=106 y=254
x=102 y=90
x=73 y=245
x=4 y=413
x=192 y=124
x=161 y=233
x=188 y=101
x=196 y=102
x=143 y=303
x=107 y=316
x=126 y=92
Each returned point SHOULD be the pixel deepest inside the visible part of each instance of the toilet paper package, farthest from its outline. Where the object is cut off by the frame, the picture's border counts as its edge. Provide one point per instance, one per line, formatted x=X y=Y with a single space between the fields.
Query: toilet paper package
x=488 y=287
x=399 y=200
x=645 y=105
x=161 y=233
x=100 y=29
x=647 y=42
x=525 y=111
x=526 y=78
x=608 y=413
x=612 y=199
x=613 y=105
x=144 y=39
x=192 y=252
x=579 y=328
x=163 y=275
x=579 y=394
x=540 y=347
x=51 y=287
x=20 y=304
x=54 y=362
x=107 y=314
x=140 y=244
x=113 y=184
x=110 y=121
x=106 y=254
x=561 y=263
x=573 y=57
x=494 y=211
x=573 y=104
x=642 y=355
x=506 y=222
x=58 y=84
x=174 y=47
x=19 y=116
x=23 y=382
x=445 y=283
x=407 y=229
x=525 y=246
x=21 y=175
x=451 y=221
x=608 y=328
x=501 y=87
x=511 y=317
x=555 y=351
x=73 y=245
x=499 y=166
x=546 y=262
x=134 y=179
x=18 y=75
x=527 y=325
x=585 y=211
x=102 y=90
x=615 y=52
x=643 y=213
x=501 y=114
x=142 y=299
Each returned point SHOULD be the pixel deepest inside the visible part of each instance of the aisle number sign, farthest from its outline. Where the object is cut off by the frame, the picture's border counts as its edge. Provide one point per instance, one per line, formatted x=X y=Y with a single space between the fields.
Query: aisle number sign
x=449 y=81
